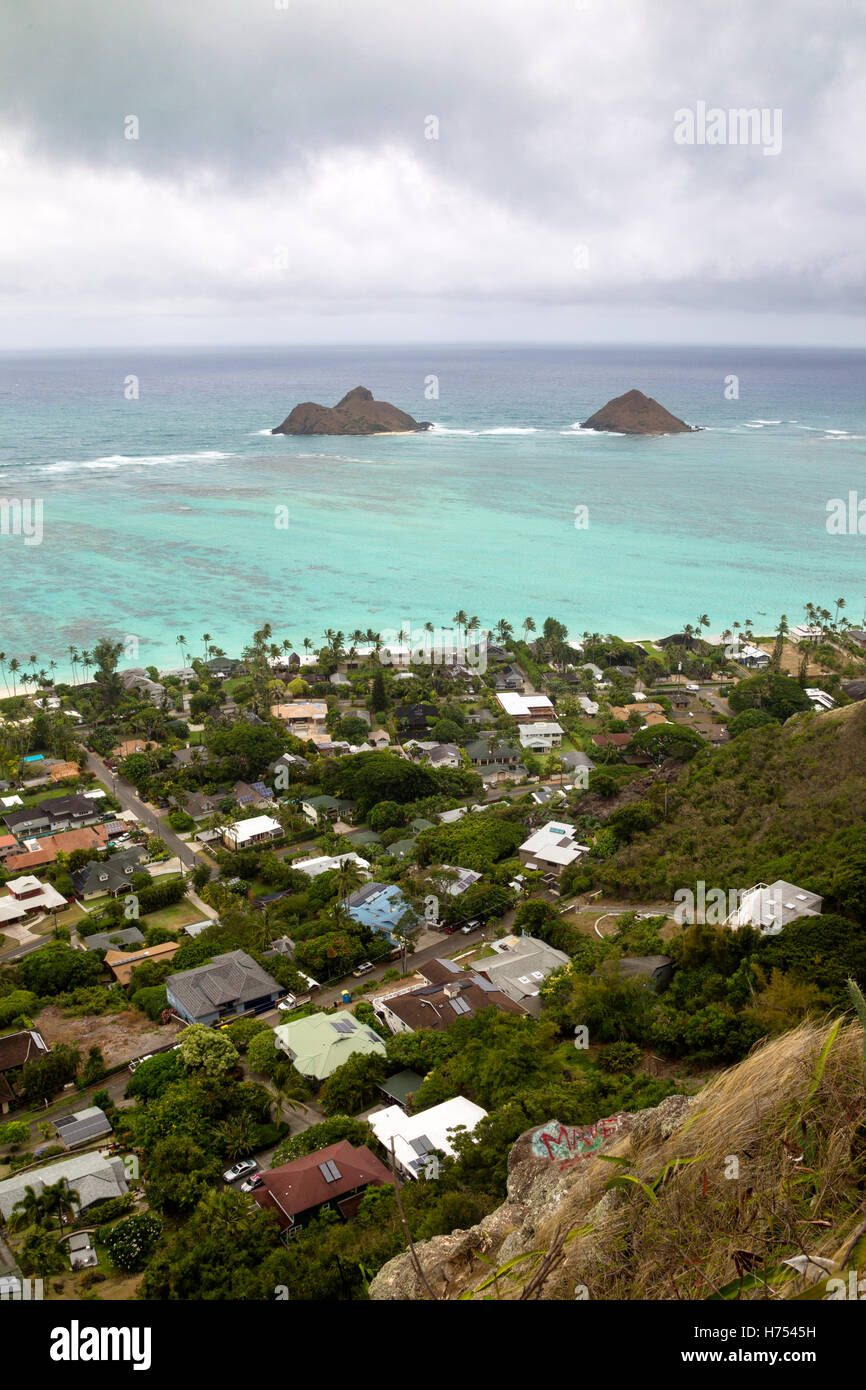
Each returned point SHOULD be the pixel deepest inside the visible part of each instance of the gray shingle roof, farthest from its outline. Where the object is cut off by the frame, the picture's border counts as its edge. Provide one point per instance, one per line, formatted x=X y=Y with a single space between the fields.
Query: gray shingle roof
x=228 y=979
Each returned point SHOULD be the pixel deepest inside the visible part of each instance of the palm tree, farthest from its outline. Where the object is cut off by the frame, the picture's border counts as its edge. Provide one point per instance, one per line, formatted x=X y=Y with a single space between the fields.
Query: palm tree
x=349 y=877
x=459 y=620
x=181 y=642
x=840 y=604
x=29 y=1210
x=3 y=670
x=206 y=638
x=529 y=626
x=238 y=1136
x=14 y=668
x=58 y=1200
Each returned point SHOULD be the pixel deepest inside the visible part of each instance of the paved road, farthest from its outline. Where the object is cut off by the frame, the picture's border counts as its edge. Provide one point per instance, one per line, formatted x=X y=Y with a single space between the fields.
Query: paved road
x=130 y=802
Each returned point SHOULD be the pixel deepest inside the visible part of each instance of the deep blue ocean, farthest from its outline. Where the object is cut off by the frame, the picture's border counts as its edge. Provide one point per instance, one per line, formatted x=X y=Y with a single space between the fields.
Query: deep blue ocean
x=160 y=513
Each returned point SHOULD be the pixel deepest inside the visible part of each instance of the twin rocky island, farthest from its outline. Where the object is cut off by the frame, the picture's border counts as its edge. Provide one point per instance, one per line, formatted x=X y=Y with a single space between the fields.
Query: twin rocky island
x=358 y=413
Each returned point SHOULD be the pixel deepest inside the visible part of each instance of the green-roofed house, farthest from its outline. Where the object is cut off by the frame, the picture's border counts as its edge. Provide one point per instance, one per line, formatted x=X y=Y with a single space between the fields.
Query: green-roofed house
x=400 y=1087
x=363 y=837
x=419 y=824
x=401 y=848
x=320 y=1043
x=320 y=808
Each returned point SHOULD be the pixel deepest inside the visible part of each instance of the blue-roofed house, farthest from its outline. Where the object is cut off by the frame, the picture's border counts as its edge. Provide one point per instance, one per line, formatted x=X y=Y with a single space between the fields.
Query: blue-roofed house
x=382 y=907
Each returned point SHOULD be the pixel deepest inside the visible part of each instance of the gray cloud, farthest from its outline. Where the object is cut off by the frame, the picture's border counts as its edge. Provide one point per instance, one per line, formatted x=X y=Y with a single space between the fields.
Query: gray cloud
x=299 y=133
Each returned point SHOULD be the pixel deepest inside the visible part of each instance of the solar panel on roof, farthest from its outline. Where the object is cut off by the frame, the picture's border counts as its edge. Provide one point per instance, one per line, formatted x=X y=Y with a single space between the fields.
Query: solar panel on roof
x=341 y=1025
x=421 y=1145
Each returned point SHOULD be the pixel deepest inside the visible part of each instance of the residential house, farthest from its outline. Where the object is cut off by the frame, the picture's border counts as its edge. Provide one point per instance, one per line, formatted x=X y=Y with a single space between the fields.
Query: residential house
x=122 y=963
x=442 y=993
x=27 y=895
x=325 y=862
x=595 y=671
x=58 y=813
x=128 y=746
x=820 y=699
x=611 y=740
x=575 y=760
x=258 y=830
x=380 y=738
x=91 y=1178
x=483 y=752
x=82 y=1127
x=770 y=907
x=589 y=707
x=252 y=794
x=200 y=805
x=319 y=1043
x=540 y=737
x=382 y=908
x=303 y=718
x=338 y=679
x=335 y=1178
x=137 y=679
x=113 y=940
x=229 y=984
x=46 y=849
x=520 y=965
x=552 y=848
x=15 y=1050
x=413 y=1139
x=113 y=876
x=652 y=971
x=414 y=716
x=455 y=881
x=526 y=709
x=400 y=1088
x=319 y=809
x=546 y=796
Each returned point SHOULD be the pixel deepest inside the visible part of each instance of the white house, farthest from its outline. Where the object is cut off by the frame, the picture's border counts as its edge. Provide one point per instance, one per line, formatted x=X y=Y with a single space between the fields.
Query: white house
x=588 y=706
x=772 y=907
x=416 y=1136
x=324 y=862
x=820 y=699
x=258 y=830
x=525 y=708
x=540 y=737
x=553 y=848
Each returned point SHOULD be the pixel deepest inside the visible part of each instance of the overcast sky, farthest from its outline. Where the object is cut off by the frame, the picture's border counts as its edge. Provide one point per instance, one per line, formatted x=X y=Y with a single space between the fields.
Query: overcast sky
x=282 y=188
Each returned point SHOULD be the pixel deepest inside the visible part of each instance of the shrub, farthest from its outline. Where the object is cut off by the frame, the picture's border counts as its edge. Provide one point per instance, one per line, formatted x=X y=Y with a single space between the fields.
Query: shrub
x=131 y=1243
x=620 y=1057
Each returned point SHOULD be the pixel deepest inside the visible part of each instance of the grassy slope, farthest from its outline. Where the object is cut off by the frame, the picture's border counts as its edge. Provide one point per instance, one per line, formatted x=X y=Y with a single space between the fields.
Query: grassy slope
x=775 y=803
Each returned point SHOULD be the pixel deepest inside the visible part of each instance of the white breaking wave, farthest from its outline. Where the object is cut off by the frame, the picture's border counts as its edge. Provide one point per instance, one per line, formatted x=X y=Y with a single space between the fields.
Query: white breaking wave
x=758 y=421
x=511 y=429
x=122 y=460
x=577 y=428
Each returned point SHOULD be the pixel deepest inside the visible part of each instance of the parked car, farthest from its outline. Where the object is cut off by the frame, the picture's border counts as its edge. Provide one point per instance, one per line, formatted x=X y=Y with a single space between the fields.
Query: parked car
x=241 y=1169
x=290 y=1002
x=470 y=927
x=693 y=688
x=252 y=1182
x=363 y=969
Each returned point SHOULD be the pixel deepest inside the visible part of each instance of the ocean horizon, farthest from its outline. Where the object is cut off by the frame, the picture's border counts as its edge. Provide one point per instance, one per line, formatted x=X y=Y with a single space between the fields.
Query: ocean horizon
x=175 y=510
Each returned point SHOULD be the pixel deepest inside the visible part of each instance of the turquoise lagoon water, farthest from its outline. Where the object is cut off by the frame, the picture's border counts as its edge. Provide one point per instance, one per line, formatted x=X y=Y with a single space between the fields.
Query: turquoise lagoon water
x=159 y=512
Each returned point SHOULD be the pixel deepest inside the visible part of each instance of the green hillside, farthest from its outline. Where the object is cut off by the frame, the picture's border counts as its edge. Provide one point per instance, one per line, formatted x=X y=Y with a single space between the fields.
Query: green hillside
x=778 y=802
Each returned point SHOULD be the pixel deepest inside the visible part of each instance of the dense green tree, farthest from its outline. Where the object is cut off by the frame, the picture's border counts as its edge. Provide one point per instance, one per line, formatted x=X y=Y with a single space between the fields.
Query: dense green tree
x=217 y=1253
x=202 y=1049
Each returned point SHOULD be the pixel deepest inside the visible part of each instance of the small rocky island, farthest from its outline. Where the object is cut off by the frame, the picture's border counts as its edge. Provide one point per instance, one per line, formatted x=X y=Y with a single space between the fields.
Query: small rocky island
x=356 y=413
x=635 y=413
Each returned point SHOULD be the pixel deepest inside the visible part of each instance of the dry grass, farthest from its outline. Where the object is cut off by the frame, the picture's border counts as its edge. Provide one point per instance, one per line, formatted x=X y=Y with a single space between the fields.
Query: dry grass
x=767 y=1162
